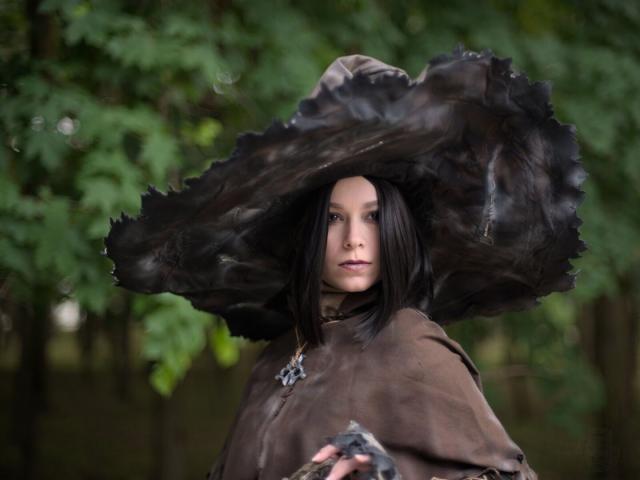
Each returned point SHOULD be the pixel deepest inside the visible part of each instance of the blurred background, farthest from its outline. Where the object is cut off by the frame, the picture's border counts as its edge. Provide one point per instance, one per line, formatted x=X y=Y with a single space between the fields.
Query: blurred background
x=99 y=99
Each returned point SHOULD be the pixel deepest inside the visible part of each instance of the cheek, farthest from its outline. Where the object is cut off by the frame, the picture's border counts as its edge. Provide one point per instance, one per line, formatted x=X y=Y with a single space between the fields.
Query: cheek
x=374 y=242
x=332 y=246
x=375 y=256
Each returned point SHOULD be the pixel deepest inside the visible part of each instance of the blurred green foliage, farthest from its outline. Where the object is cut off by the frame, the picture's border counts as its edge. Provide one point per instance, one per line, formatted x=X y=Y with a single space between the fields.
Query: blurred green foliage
x=84 y=134
x=148 y=93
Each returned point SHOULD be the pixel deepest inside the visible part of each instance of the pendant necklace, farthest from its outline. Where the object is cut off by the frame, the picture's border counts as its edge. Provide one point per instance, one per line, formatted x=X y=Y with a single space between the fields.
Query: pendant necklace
x=294 y=369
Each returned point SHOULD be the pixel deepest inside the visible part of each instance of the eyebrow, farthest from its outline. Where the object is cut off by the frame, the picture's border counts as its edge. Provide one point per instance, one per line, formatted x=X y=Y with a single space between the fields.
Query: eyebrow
x=366 y=205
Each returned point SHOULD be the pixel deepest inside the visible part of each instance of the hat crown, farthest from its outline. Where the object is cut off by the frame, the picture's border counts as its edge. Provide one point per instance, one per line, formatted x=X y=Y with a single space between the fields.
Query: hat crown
x=349 y=66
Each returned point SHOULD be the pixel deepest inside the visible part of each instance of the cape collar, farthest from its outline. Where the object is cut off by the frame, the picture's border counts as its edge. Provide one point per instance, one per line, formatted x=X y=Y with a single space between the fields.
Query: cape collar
x=354 y=303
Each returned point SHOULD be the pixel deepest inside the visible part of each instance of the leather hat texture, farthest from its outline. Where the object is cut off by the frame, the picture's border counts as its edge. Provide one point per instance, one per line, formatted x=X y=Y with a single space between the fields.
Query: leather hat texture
x=492 y=178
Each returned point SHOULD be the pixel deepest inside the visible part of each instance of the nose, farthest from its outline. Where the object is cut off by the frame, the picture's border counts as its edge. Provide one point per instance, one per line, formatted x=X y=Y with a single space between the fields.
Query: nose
x=353 y=236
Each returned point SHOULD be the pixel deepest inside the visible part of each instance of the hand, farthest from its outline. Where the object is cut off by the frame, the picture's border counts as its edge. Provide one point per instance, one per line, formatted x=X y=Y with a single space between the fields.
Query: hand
x=344 y=466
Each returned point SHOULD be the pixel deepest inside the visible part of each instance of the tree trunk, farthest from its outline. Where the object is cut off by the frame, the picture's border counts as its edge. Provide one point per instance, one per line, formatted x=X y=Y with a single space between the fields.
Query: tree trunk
x=119 y=336
x=32 y=320
x=609 y=333
x=30 y=388
x=167 y=439
x=43 y=32
x=519 y=385
x=86 y=339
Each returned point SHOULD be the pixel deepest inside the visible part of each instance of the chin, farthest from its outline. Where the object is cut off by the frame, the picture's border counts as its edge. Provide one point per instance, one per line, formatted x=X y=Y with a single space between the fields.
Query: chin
x=355 y=284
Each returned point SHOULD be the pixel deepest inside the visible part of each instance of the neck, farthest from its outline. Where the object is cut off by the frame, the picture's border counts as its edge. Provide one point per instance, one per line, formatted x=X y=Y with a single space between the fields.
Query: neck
x=330 y=299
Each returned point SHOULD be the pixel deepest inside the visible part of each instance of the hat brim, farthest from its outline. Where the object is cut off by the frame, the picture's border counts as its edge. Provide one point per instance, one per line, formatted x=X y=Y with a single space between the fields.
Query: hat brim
x=492 y=178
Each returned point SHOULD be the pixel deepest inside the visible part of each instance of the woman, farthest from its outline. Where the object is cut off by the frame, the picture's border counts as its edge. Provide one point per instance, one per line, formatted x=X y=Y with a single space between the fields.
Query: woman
x=457 y=190
x=404 y=379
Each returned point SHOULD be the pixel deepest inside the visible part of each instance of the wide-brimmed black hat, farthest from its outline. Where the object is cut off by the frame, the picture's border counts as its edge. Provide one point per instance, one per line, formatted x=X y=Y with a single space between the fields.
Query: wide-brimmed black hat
x=492 y=178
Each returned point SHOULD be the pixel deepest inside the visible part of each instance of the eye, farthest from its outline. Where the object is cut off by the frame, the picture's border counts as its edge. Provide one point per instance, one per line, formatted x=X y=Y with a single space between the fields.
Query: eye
x=374 y=215
x=333 y=217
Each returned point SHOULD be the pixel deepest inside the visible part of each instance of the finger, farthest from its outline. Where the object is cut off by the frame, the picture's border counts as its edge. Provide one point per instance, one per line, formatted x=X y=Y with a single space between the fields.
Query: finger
x=343 y=467
x=324 y=453
x=365 y=460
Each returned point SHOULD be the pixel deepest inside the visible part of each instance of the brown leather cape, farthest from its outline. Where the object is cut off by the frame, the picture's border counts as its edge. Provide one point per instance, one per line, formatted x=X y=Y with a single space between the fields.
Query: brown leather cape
x=413 y=387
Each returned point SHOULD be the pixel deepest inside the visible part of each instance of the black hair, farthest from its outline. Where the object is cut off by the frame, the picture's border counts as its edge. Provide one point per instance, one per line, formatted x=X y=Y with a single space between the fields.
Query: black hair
x=405 y=267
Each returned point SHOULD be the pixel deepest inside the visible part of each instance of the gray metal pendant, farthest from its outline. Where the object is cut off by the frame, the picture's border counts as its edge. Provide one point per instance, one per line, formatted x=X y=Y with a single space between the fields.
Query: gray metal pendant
x=292 y=372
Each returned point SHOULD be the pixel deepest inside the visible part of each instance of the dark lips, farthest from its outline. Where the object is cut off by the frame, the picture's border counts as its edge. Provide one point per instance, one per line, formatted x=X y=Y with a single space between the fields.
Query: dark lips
x=355 y=267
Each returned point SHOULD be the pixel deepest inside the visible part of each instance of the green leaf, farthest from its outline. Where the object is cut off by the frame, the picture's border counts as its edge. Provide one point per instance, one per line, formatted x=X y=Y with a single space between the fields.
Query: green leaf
x=9 y=194
x=15 y=259
x=175 y=335
x=159 y=152
x=224 y=347
x=163 y=379
x=100 y=193
x=54 y=244
x=204 y=133
x=47 y=147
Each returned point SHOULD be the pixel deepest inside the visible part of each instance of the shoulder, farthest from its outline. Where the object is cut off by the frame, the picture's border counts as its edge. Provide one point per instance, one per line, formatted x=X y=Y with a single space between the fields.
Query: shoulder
x=423 y=344
x=417 y=321
x=411 y=328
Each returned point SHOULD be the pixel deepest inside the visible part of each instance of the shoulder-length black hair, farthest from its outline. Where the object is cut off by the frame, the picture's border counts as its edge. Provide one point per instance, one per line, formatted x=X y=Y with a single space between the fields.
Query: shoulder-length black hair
x=405 y=267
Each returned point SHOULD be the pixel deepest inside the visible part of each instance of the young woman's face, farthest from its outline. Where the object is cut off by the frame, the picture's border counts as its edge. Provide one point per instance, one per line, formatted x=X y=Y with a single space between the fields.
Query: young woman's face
x=352 y=257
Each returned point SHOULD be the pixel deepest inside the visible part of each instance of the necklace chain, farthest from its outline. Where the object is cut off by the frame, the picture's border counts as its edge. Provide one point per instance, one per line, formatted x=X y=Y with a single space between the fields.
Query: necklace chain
x=294 y=369
x=299 y=348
